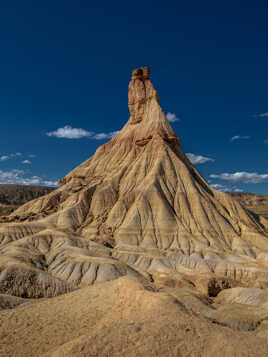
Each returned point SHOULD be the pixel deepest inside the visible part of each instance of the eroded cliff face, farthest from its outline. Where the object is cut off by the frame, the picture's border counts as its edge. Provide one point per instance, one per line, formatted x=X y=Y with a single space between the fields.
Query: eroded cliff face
x=137 y=206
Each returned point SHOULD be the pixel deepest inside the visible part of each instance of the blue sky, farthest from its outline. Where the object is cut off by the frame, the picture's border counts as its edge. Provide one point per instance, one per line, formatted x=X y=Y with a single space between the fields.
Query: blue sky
x=67 y=64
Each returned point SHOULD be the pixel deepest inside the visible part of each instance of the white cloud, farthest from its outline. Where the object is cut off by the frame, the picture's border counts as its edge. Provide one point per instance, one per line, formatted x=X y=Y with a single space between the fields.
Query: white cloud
x=9 y=156
x=172 y=118
x=198 y=159
x=262 y=115
x=223 y=188
x=4 y=158
x=245 y=177
x=220 y=187
x=17 y=177
x=32 y=155
x=238 y=190
x=102 y=136
x=68 y=132
x=16 y=154
x=26 y=162
x=239 y=137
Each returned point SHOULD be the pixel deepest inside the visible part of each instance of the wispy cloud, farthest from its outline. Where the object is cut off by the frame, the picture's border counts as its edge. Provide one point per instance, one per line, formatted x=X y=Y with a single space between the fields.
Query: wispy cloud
x=9 y=156
x=18 y=177
x=262 y=115
x=172 y=117
x=198 y=159
x=244 y=177
x=239 y=137
x=223 y=188
x=32 y=155
x=68 y=132
x=219 y=187
x=28 y=162
x=102 y=136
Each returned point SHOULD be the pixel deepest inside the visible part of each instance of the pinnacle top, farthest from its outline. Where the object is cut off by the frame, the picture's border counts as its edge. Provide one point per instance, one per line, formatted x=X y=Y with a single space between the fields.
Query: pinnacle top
x=141 y=73
x=147 y=119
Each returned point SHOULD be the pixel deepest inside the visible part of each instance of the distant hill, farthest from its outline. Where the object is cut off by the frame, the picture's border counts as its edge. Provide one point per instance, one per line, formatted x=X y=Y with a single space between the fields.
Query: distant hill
x=13 y=196
x=256 y=203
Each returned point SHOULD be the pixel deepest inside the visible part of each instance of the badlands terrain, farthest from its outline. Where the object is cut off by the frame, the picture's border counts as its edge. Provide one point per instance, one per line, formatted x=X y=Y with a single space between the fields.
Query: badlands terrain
x=135 y=255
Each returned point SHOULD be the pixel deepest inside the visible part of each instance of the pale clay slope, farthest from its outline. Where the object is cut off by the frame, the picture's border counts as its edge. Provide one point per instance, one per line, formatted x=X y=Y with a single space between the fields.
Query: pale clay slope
x=136 y=208
x=122 y=318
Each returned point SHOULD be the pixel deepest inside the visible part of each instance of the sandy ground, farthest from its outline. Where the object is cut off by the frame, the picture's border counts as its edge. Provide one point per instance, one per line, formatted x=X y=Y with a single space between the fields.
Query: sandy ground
x=118 y=318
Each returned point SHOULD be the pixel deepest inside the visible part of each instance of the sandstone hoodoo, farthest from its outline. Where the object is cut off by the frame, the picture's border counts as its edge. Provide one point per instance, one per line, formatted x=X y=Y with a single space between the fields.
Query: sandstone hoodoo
x=137 y=206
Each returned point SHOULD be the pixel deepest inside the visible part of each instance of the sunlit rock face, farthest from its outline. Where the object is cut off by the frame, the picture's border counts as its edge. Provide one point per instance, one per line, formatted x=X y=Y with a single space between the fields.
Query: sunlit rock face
x=137 y=206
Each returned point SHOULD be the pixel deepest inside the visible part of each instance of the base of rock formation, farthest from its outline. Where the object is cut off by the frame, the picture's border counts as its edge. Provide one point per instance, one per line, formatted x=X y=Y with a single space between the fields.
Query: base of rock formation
x=131 y=317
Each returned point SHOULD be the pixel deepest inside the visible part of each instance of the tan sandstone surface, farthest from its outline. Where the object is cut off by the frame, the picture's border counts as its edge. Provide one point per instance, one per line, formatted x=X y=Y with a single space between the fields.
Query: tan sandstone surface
x=151 y=260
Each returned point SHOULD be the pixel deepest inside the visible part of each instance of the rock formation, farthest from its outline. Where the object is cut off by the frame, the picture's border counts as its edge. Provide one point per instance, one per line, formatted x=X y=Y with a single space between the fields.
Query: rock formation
x=138 y=207
x=137 y=204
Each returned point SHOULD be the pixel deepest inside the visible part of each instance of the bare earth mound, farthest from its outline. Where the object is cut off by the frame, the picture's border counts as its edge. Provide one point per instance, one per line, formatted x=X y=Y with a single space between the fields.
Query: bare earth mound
x=120 y=318
x=137 y=208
